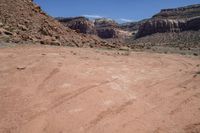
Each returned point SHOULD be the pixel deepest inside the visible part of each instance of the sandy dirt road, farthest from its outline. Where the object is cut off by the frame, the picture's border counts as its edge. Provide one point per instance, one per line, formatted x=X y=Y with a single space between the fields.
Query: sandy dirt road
x=72 y=90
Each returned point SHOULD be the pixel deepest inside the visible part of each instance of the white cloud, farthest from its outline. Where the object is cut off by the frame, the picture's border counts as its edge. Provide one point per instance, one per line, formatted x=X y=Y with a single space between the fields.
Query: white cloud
x=126 y=20
x=92 y=16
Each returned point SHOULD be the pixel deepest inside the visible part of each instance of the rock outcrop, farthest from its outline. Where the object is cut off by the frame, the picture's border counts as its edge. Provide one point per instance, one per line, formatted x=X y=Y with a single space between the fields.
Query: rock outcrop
x=179 y=13
x=79 y=24
x=102 y=27
x=106 y=33
x=105 y=22
x=172 y=20
x=160 y=26
x=168 y=25
x=193 y=24
x=132 y=26
x=106 y=28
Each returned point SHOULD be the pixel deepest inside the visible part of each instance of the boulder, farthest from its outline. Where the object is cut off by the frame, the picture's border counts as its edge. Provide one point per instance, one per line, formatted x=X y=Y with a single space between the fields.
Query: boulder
x=5 y=32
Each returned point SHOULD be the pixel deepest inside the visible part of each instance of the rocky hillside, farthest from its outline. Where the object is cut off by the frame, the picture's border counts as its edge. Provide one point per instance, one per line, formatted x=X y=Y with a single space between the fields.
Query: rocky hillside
x=103 y=27
x=24 y=21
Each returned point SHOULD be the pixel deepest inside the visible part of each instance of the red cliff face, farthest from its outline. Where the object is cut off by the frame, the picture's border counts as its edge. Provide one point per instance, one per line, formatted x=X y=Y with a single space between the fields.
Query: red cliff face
x=179 y=13
x=79 y=24
x=103 y=28
x=172 y=20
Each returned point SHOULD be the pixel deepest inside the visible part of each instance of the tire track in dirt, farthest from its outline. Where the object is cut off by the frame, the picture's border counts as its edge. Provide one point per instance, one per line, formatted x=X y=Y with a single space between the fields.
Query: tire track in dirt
x=193 y=128
x=49 y=76
x=68 y=96
x=162 y=63
x=108 y=113
x=181 y=85
x=170 y=76
x=153 y=109
x=186 y=82
x=181 y=62
x=184 y=102
x=161 y=81
x=150 y=87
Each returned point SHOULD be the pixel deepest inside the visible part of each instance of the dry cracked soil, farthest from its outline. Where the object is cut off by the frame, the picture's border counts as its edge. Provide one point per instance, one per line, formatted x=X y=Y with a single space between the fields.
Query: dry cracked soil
x=46 y=89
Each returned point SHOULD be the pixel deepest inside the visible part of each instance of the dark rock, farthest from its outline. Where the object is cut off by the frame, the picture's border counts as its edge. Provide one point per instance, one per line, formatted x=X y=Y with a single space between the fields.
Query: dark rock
x=193 y=24
x=107 y=33
x=195 y=54
x=1 y=24
x=21 y=68
x=79 y=24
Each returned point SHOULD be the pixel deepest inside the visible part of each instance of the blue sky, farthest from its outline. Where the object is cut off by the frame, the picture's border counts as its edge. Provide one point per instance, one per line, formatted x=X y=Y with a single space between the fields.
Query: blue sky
x=119 y=10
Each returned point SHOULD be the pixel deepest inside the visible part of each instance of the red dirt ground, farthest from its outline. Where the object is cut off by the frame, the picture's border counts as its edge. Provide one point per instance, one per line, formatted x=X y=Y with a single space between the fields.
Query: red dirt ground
x=46 y=89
